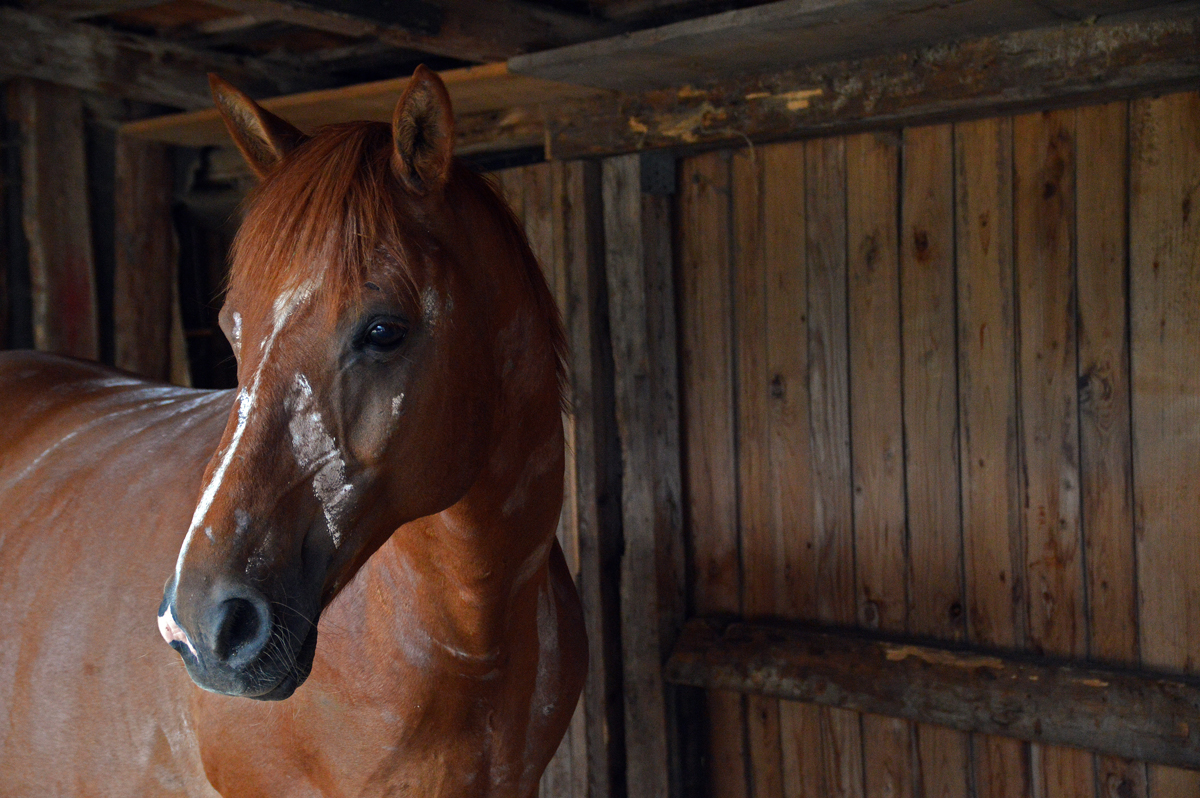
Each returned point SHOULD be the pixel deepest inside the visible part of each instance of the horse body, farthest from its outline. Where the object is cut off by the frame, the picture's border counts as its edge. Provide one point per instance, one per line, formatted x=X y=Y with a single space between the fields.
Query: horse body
x=391 y=463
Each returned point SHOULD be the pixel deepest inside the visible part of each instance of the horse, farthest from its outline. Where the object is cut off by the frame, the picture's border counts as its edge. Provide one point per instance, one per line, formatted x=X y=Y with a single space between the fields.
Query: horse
x=364 y=593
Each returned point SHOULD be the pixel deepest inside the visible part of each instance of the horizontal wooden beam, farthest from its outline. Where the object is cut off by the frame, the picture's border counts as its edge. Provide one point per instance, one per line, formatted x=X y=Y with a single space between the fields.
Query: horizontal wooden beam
x=494 y=110
x=1133 y=714
x=1062 y=64
x=132 y=67
x=470 y=30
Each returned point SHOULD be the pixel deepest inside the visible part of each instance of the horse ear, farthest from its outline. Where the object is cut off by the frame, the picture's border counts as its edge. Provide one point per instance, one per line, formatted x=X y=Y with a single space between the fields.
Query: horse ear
x=423 y=133
x=262 y=137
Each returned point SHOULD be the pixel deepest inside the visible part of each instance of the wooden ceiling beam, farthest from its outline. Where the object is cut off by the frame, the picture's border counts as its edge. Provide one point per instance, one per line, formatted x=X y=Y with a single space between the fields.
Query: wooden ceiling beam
x=128 y=66
x=469 y=30
x=1057 y=65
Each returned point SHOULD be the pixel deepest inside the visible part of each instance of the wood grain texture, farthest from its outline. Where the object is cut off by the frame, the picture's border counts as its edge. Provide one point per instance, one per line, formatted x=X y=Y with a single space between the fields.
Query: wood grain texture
x=636 y=274
x=929 y=351
x=706 y=374
x=1044 y=204
x=793 y=535
x=1101 y=208
x=90 y=58
x=1164 y=250
x=756 y=506
x=829 y=402
x=876 y=429
x=146 y=269
x=1136 y=714
x=969 y=77
x=55 y=218
x=579 y=224
x=992 y=541
x=760 y=38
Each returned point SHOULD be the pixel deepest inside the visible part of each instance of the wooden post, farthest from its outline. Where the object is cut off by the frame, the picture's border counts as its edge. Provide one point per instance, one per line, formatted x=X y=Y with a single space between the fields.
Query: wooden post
x=56 y=219
x=638 y=264
x=144 y=286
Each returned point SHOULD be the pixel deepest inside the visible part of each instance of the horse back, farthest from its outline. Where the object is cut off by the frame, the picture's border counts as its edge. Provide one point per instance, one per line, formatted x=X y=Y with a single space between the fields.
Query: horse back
x=98 y=474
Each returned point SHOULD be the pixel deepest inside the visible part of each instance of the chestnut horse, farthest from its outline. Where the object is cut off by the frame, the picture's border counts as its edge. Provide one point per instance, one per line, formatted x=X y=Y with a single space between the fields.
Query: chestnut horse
x=391 y=463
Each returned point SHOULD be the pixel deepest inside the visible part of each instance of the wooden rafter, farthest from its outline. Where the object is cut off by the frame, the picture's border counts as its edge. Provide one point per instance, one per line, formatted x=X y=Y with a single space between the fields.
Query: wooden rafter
x=133 y=67
x=471 y=30
x=1059 y=64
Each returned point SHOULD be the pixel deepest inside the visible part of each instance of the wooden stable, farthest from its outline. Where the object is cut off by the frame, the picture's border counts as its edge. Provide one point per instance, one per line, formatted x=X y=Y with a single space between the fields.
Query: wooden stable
x=885 y=407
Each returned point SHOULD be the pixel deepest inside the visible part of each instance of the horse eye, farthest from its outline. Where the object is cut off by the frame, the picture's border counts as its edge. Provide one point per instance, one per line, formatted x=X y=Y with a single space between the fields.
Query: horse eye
x=385 y=334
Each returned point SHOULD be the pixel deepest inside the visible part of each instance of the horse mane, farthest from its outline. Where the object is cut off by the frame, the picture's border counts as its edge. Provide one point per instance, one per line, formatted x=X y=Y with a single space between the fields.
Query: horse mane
x=322 y=215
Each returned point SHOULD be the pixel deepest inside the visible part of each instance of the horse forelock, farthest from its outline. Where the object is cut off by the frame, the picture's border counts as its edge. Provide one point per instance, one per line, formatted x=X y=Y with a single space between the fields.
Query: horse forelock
x=320 y=218
x=333 y=206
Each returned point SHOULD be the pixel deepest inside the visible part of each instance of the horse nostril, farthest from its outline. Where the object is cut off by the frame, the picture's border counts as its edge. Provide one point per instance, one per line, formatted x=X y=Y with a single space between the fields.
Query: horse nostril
x=242 y=628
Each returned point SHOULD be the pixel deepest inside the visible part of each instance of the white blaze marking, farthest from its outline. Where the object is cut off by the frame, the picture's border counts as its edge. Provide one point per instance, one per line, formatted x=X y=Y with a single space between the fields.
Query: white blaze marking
x=172 y=631
x=285 y=305
x=315 y=448
x=397 y=402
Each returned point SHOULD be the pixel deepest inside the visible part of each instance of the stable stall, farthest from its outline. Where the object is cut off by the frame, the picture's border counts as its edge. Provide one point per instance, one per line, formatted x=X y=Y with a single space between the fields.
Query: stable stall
x=884 y=317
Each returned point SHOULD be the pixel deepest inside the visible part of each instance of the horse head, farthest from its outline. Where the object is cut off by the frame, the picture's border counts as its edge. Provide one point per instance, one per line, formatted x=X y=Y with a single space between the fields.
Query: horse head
x=379 y=308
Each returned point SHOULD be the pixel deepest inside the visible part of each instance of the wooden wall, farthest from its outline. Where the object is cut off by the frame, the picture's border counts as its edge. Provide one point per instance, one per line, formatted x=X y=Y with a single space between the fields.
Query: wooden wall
x=942 y=381
x=939 y=382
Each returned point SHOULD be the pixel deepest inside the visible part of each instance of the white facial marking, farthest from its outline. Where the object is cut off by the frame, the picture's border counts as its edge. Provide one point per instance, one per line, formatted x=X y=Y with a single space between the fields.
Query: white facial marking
x=397 y=403
x=316 y=449
x=285 y=305
x=208 y=534
x=237 y=333
x=172 y=631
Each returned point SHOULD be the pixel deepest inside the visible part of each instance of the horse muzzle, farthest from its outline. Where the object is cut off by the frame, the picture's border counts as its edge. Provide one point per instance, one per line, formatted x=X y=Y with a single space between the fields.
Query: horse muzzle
x=235 y=645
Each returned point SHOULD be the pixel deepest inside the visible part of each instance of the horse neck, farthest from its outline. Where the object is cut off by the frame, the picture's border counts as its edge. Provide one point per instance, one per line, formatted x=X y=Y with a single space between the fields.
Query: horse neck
x=472 y=560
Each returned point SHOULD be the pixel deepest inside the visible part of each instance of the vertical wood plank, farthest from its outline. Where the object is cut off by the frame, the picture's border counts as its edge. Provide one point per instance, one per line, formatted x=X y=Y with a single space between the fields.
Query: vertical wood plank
x=1044 y=204
x=56 y=219
x=927 y=293
x=706 y=365
x=792 y=572
x=579 y=222
x=753 y=464
x=565 y=774
x=639 y=280
x=828 y=358
x=1101 y=203
x=146 y=267
x=993 y=552
x=876 y=429
x=1164 y=251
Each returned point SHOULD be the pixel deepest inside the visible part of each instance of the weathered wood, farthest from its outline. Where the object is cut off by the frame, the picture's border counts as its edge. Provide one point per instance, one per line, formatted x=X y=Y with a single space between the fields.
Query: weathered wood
x=494 y=110
x=1044 y=202
x=580 y=224
x=753 y=447
x=876 y=429
x=638 y=267
x=1140 y=715
x=790 y=573
x=706 y=374
x=765 y=37
x=476 y=30
x=990 y=74
x=146 y=259
x=134 y=67
x=55 y=218
x=1164 y=249
x=935 y=551
x=829 y=403
x=994 y=558
x=1101 y=206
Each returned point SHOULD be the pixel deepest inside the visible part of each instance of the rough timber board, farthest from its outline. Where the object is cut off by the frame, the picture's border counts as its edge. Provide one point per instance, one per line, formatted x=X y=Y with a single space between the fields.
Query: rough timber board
x=487 y=96
x=785 y=35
